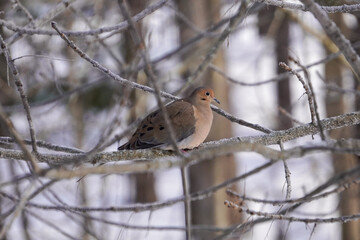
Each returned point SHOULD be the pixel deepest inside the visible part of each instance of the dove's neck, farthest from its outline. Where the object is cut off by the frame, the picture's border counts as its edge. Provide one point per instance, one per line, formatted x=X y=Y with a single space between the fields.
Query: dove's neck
x=200 y=104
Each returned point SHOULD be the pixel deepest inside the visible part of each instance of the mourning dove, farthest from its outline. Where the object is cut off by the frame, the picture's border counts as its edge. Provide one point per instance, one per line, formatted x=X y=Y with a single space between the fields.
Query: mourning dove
x=191 y=119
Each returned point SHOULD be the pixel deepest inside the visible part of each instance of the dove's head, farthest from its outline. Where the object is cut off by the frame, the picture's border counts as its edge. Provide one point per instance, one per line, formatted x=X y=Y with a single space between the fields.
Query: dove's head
x=203 y=96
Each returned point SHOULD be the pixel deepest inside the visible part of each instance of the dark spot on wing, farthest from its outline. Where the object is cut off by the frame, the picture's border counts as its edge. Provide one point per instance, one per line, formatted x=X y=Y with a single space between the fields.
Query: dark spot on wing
x=161 y=128
x=144 y=126
x=142 y=134
x=149 y=128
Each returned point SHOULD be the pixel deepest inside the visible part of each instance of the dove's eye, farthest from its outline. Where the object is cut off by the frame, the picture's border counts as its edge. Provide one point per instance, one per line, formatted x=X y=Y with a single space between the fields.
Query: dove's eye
x=207 y=94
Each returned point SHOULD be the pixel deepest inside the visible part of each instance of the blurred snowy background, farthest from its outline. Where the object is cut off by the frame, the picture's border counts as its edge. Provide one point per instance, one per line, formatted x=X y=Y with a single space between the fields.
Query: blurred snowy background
x=73 y=104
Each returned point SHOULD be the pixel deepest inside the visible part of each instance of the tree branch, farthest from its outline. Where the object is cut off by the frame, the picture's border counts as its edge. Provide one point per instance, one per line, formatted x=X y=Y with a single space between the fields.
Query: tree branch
x=296 y=6
x=335 y=35
x=116 y=28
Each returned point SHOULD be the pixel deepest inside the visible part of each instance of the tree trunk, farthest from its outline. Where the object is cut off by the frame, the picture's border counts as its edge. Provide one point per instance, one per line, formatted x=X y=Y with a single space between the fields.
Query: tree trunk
x=275 y=23
x=349 y=199
x=282 y=54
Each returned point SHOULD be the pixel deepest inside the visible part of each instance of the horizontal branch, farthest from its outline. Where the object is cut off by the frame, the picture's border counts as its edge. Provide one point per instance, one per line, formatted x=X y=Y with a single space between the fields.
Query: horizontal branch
x=275 y=137
x=298 y=6
x=42 y=144
x=349 y=119
x=167 y=159
x=275 y=216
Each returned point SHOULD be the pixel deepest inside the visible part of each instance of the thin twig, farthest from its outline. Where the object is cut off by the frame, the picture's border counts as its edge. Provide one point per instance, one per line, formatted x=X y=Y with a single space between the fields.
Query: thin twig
x=307 y=76
x=187 y=201
x=312 y=231
x=43 y=144
x=288 y=115
x=306 y=88
x=287 y=174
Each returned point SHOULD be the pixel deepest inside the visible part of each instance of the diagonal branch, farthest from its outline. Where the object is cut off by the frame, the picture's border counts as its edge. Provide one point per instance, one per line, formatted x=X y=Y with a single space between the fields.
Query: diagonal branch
x=25 y=152
x=19 y=86
x=25 y=102
x=336 y=36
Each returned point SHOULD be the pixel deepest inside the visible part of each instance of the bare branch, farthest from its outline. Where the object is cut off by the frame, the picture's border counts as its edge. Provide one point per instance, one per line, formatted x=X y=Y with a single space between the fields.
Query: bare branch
x=297 y=6
x=25 y=152
x=51 y=14
x=116 y=28
x=336 y=36
x=19 y=208
x=337 y=190
x=43 y=144
x=274 y=216
x=287 y=174
x=210 y=149
x=306 y=88
x=312 y=92
x=19 y=85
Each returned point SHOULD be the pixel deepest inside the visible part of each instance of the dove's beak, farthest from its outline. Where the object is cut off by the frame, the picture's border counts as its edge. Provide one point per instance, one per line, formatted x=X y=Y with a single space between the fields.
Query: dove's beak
x=217 y=101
